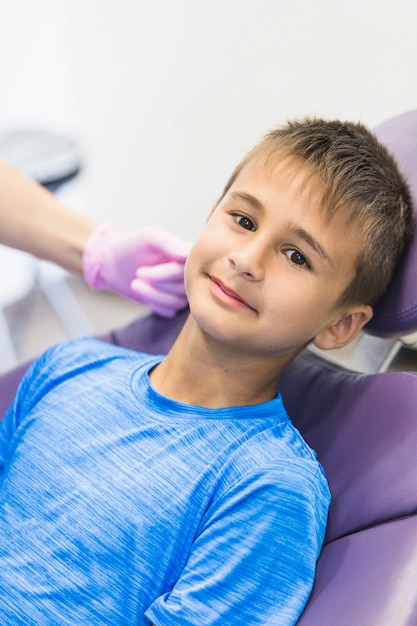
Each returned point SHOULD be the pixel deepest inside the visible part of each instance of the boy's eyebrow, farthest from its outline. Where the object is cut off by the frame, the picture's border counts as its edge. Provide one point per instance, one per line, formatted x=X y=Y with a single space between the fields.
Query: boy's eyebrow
x=247 y=197
x=294 y=228
x=311 y=241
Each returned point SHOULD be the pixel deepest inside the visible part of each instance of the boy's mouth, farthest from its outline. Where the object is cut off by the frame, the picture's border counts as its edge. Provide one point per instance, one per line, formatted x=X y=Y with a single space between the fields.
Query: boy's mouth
x=227 y=295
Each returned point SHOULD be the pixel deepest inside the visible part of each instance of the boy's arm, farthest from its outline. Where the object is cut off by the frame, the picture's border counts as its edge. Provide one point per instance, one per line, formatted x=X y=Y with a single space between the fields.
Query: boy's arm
x=253 y=562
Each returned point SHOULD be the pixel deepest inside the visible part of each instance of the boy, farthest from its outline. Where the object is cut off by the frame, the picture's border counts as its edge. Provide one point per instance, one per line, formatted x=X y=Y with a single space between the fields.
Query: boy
x=143 y=490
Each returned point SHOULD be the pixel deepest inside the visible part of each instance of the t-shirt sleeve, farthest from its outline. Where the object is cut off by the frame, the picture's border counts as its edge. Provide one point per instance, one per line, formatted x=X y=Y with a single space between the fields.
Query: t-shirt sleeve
x=253 y=559
x=48 y=370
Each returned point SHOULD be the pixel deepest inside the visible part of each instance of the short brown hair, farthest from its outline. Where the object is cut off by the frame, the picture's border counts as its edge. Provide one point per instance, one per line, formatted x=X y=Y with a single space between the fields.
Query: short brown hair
x=356 y=173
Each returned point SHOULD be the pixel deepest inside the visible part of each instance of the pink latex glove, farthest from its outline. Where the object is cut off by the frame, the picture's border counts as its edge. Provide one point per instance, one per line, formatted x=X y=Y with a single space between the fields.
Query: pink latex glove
x=147 y=265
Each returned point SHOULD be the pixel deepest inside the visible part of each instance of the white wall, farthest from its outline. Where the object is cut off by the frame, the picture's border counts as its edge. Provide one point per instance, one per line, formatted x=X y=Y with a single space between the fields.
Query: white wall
x=37 y=87
x=166 y=96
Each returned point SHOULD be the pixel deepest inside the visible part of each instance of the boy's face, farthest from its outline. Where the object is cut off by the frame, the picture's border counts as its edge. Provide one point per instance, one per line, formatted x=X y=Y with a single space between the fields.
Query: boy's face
x=269 y=268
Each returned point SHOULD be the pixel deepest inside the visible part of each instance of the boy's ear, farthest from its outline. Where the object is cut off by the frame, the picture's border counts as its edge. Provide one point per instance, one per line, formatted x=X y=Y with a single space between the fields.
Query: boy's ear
x=344 y=330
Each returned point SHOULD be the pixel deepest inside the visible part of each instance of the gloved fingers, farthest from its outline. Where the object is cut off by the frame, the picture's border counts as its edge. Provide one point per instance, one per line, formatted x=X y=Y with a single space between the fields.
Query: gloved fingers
x=165 y=243
x=155 y=294
x=160 y=302
x=112 y=257
x=167 y=277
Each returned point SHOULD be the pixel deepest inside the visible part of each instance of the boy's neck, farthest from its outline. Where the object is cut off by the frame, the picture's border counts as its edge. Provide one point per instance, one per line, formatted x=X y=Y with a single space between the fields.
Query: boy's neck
x=199 y=371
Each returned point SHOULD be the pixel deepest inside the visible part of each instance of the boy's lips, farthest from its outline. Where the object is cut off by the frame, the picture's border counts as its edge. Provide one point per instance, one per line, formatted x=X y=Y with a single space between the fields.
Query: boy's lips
x=227 y=295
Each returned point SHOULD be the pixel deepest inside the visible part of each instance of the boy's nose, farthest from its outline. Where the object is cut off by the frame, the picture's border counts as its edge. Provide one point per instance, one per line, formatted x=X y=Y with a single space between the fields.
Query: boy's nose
x=248 y=261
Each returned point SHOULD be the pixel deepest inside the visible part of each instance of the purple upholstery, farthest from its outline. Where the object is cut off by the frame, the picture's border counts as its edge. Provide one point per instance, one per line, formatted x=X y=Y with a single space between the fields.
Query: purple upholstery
x=8 y=386
x=364 y=429
x=367 y=579
x=397 y=311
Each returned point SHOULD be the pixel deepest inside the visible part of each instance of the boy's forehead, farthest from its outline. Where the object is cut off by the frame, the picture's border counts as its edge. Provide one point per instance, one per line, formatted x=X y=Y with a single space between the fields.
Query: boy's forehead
x=289 y=172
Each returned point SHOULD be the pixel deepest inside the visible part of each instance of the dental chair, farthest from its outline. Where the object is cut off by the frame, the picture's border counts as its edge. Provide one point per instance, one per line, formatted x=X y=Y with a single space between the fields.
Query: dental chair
x=364 y=430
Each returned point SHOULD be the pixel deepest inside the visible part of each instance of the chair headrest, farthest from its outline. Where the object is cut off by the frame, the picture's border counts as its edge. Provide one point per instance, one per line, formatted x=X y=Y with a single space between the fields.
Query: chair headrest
x=396 y=313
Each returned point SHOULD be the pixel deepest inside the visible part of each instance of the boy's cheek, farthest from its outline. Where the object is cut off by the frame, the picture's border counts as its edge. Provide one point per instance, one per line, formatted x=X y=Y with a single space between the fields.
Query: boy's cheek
x=197 y=263
x=193 y=267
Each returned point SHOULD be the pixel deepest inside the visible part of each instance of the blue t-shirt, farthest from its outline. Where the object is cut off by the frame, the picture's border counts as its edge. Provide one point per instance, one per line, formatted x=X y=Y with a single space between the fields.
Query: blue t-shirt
x=119 y=506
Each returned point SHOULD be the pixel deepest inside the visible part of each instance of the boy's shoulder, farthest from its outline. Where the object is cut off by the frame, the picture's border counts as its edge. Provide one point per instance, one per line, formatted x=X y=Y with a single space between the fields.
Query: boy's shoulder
x=76 y=356
x=89 y=349
x=75 y=359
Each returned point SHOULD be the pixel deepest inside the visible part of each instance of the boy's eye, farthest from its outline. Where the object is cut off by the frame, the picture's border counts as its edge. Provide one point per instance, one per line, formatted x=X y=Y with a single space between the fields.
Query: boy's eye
x=245 y=222
x=297 y=258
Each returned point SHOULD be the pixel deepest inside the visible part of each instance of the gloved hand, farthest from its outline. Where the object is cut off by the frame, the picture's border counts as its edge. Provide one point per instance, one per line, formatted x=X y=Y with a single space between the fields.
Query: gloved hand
x=147 y=265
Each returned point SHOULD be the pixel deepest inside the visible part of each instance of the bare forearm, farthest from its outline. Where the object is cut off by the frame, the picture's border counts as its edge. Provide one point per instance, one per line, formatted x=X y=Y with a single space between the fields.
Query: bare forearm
x=32 y=219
